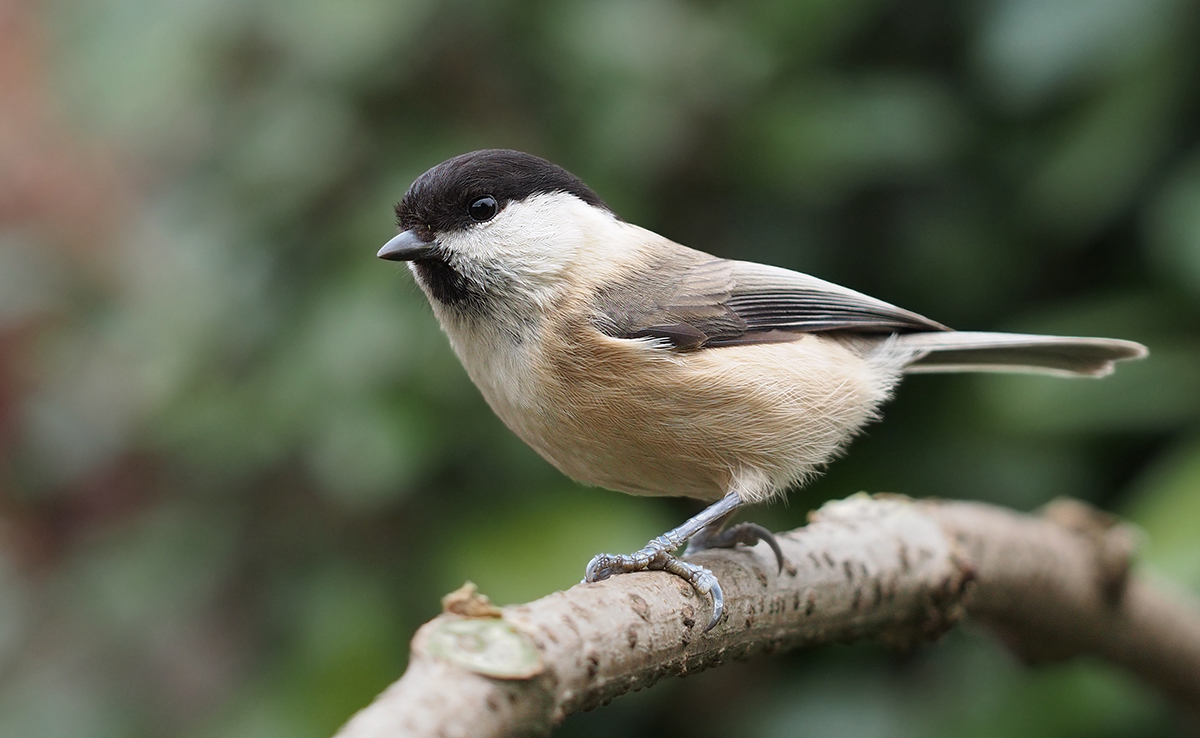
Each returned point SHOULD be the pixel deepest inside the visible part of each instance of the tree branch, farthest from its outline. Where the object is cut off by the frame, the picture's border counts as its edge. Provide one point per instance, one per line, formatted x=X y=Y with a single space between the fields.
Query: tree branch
x=882 y=567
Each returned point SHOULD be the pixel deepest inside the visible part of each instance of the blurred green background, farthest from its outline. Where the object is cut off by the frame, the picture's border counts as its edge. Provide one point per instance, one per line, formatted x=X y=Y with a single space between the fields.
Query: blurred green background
x=239 y=464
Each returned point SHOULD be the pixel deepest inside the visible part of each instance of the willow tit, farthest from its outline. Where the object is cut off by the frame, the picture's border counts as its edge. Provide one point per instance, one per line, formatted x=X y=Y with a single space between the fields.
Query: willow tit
x=631 y=362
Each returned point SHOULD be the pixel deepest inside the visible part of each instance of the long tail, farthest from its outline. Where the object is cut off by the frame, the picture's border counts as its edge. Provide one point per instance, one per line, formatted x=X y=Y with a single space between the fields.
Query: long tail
x=1067 y=356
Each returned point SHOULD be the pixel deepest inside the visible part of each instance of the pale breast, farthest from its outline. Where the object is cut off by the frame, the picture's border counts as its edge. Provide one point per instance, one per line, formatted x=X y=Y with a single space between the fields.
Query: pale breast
x=630 y=416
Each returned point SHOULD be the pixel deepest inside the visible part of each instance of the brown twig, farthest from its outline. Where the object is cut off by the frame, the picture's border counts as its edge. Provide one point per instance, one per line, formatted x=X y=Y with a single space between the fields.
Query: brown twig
x=881 y=567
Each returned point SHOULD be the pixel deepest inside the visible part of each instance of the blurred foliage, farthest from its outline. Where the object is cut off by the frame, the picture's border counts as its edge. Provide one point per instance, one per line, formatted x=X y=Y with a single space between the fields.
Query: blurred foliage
x=239 y=464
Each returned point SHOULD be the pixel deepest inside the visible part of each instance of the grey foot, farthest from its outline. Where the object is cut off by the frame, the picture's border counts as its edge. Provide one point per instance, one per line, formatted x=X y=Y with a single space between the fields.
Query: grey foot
x=747 y=533
x=655 y=557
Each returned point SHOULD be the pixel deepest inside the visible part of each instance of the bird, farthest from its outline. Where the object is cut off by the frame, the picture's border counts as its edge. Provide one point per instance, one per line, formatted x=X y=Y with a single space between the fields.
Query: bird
x=634 y=363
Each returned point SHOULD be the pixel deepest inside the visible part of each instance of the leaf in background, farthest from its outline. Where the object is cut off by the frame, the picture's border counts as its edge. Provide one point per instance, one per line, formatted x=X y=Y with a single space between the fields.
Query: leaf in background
x=826 y=138
x=521 y=555
x=1156 y=394
x=1173 y=227
x=1100 y=159
x=1166 y=504
x=365 y=458
x=1029 y=51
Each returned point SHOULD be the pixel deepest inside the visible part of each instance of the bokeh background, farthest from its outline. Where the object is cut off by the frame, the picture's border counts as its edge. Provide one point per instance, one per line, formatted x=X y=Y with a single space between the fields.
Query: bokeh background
x=239 y=464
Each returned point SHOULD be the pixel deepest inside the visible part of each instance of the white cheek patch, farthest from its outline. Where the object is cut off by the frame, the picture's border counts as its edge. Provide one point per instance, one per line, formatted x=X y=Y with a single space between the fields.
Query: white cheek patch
x=530 y=245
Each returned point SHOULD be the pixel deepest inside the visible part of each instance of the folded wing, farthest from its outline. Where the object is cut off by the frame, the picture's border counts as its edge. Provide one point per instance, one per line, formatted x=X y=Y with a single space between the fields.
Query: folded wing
x=693 y=301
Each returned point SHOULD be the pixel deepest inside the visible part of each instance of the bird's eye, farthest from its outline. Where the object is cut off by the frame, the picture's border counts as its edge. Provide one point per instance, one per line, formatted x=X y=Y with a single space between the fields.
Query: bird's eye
x=483 y=208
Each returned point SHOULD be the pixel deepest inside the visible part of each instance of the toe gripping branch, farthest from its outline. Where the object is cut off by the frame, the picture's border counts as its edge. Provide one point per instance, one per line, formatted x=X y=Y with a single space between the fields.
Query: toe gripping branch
x=701 y=532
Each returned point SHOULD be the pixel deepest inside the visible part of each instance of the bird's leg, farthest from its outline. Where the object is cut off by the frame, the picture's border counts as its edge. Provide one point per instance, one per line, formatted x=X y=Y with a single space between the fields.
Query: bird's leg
x=656 y=555
x=715 y=535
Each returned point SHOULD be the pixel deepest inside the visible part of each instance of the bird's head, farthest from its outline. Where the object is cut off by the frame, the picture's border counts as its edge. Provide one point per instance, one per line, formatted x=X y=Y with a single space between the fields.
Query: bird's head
x=496 y=224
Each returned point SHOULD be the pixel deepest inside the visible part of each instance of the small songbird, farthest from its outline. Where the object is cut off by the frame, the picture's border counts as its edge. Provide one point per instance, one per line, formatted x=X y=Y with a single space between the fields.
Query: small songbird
x=631 y=362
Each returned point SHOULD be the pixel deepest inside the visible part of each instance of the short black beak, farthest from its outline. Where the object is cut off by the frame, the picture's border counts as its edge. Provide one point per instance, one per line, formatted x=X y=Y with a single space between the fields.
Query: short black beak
x=406 y=247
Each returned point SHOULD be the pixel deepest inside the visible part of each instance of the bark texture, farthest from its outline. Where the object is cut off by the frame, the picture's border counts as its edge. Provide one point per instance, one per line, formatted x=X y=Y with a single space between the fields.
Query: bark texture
x=883 y=567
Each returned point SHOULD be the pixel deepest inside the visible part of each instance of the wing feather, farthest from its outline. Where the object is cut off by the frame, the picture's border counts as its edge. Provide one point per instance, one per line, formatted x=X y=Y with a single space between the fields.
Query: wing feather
x=694 y=300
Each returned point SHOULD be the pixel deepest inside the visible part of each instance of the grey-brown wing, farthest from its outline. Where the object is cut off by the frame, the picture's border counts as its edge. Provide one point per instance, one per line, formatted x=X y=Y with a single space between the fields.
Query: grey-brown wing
x=694 y=300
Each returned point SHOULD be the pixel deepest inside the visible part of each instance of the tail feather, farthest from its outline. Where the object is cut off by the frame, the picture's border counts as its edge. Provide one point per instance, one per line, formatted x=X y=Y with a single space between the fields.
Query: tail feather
x=963 y=351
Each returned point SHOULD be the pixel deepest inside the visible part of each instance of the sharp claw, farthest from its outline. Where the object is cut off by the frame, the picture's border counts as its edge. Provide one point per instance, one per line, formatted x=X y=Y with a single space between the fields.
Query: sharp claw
x=747 y=533
x=718 y=600
x=768 y=537
x=705 y=584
